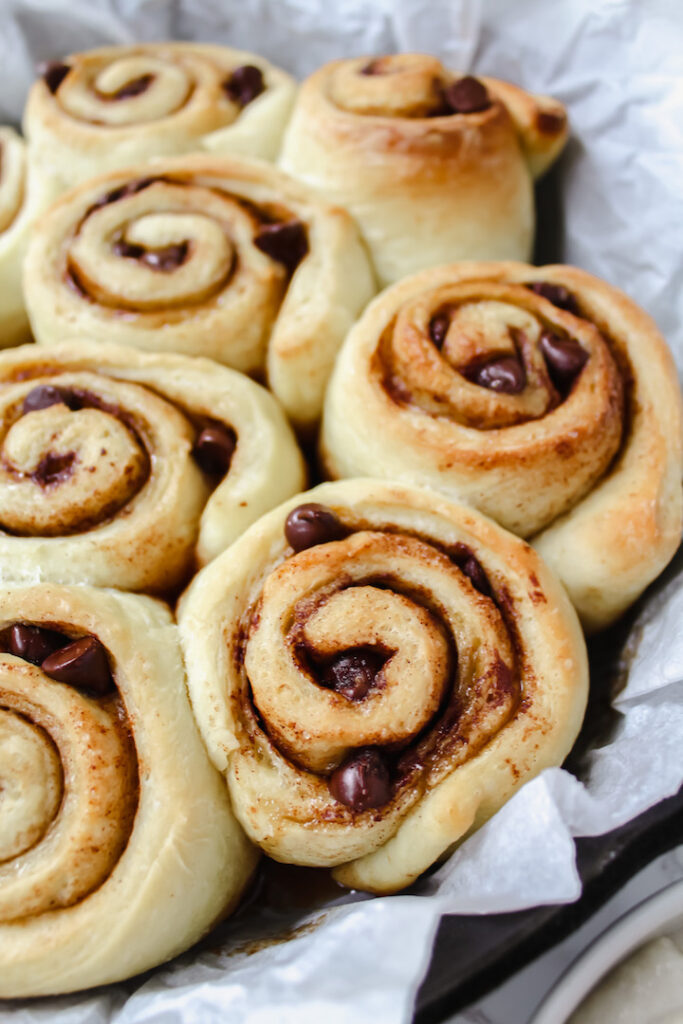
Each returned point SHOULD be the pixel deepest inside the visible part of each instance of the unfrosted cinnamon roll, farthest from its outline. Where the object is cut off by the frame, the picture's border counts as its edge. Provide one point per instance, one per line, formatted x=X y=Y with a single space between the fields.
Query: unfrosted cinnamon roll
x=225 y=258
x=21 y=199
x=95 y=111
x=120 y=468
x=433 y=165
x=106 y=794
x=541 y=395
x=376 y=670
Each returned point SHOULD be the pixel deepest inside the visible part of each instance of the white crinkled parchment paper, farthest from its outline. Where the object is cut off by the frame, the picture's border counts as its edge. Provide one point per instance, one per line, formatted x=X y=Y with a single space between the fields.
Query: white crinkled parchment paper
x=617 y=66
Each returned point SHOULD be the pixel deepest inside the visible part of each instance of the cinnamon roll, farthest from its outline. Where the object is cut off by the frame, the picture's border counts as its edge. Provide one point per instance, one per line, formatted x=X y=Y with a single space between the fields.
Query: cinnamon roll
x=433 y=165
x=102 y=109
x=99 y=817
x=21 y=198
x=376 y=670
x=224 y=258
x=120 y=468
x=541 y=395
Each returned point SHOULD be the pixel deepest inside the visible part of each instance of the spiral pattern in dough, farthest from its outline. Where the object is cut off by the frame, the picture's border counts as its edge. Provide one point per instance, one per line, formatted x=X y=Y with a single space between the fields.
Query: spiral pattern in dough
x=376 y=670
x=120 y=468
x=223 y=258
x=21 y=199
x=434 y=166
x=541 y=395
x=97 y=820
x=104 y=109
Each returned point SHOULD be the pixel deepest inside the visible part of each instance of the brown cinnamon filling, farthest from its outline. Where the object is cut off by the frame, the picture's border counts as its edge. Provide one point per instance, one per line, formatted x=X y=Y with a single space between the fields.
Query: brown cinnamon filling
x=371 y=778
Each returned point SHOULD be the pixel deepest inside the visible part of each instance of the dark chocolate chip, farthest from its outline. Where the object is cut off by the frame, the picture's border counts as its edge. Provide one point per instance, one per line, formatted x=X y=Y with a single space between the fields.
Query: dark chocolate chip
x=33 y=643
x=45 y=395
x=505 y=374
x=285 y=242
x=53 y=73
x=373 y=68
x=472 y=568
x=244 y=84
x=353 y=673
x=53 y=468
x=168 y=258
x=214 y=449
x=129 y=189
x=438 y=328
x=557 y=294
x=565 y=358
x=128 y=250
x=82 y=663
x=311 y=524
x=548 y=123
x=134 y=87
x=467 y=96
x=362 y=781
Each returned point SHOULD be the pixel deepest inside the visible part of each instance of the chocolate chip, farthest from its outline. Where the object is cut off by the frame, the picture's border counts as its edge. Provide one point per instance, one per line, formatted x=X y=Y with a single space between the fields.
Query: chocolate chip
x=311 y=524
x=557 y=294
x=134 y=87
x=131 y=188
x=33 y=643
x=285 y=242
x=362 y=781
x=438 y=328
x=467 y=96
x=128 y=250
x=373 y=68
x=168 y=258
x=53 y=73
x=548 y=123
x=45 y=395
x=82 y=663
x=353 y=673
x=472 y=568
x=53 y=468
x=214 y=449
x=565 y=358
x=244 y=84
x=505 y=374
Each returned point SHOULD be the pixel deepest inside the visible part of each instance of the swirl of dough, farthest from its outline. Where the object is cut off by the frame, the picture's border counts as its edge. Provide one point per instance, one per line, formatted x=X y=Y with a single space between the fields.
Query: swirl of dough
x=97 y=821
x=120 y=468
x=21 y=199
x=433 y=165
x=542 y=396
x=375 y=670
x=224 y=258
x=104 y=109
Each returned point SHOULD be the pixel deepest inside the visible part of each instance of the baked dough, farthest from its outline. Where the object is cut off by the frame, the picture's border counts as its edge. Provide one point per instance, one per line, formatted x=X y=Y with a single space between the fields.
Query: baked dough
x=21 y=199
x=221 y=257
x=107 y=108
x=543 y=396
x=103 y=479
x=116 y=852
x=432 y=165
x=469 y=656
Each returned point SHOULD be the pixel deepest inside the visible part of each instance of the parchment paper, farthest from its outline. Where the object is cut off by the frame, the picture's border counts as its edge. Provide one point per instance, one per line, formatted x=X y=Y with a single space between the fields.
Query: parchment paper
x=617 y=66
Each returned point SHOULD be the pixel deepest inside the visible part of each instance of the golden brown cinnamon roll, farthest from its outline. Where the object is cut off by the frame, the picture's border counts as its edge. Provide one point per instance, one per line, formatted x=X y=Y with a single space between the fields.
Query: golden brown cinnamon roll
x=21 y=199
x=224 y=258
x=99 y=816
x=433 y=165
x=376 y=670
x=541 y=395
x=120 y=468
x=107 y=108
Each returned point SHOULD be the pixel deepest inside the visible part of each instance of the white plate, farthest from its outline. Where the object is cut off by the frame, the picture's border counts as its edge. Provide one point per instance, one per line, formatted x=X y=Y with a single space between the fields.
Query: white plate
x=658 y=915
